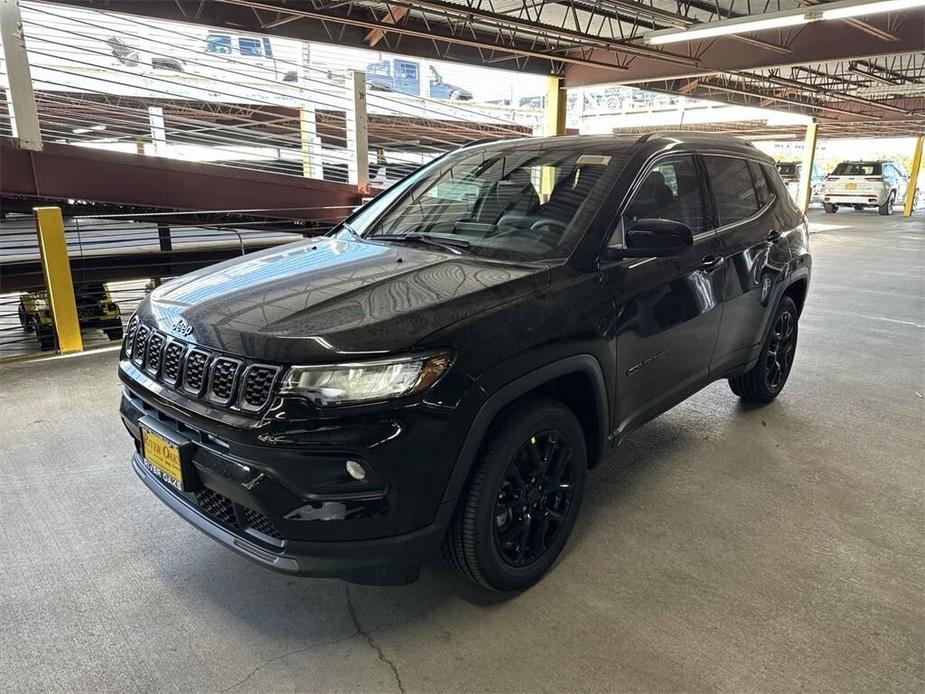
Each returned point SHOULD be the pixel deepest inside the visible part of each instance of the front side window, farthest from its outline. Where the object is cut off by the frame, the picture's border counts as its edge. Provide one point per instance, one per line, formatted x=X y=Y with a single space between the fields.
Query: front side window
x=249 y=46
x=671 y=190
x=733 y=188
x=509 y=202
x=218 y=43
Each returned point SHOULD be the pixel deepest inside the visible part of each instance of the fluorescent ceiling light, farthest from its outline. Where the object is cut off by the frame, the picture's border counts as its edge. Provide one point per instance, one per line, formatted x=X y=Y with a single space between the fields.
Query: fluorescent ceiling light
x=777 y=20
x=866 y=8
x=744 y=25
x=81 y=131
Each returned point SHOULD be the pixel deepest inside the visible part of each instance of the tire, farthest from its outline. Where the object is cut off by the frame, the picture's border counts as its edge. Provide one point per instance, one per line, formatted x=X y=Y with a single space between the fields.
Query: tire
x=516 y=513
x=46 y=342
x=859 y=208
x=767 y=378
x=830 y=208
x=24 y=319
x=887 y=207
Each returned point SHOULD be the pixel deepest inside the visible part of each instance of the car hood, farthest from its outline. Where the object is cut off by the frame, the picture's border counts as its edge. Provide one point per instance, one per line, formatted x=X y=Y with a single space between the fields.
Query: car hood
x=327 y=299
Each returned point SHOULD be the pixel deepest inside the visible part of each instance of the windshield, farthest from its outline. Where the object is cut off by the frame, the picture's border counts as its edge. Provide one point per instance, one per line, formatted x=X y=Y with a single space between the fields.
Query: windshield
x=516 y=202
x=866 y=168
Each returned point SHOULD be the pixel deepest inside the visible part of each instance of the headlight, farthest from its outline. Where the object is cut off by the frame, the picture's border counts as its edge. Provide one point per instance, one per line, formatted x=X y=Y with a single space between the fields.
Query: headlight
x=341 y=384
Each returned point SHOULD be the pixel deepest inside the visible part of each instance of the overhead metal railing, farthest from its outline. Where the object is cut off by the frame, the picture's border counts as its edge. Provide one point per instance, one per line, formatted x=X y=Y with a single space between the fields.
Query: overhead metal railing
x=118 y=93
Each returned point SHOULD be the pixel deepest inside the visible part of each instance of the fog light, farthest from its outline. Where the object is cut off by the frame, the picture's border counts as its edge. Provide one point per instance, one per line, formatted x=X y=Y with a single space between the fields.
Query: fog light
x=355 y=470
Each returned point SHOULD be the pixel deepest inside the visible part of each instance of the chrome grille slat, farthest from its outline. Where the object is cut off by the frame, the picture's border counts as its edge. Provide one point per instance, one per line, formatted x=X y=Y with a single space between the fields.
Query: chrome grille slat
x=219 y=379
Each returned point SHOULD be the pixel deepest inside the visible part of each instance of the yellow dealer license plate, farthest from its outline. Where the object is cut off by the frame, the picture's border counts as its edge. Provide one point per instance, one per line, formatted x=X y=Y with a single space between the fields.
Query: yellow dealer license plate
x=851 y=186
x=163 y=458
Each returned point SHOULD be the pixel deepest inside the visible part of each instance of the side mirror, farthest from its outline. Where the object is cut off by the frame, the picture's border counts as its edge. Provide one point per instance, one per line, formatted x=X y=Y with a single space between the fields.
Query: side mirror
x=649 y=238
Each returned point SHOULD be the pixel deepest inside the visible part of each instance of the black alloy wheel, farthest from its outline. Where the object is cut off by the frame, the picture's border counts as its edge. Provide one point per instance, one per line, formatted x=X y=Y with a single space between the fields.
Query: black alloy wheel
x=766 y=379
x=534 y=499
x=780 y=350
x=521 y=502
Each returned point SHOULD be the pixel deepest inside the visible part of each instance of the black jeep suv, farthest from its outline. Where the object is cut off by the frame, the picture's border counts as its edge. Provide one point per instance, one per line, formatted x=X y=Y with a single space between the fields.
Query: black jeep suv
x=443 y=368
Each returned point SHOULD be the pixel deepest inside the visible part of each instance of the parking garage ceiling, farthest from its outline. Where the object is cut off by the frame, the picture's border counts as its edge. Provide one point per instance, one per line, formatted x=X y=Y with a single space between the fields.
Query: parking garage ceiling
x=856 y=76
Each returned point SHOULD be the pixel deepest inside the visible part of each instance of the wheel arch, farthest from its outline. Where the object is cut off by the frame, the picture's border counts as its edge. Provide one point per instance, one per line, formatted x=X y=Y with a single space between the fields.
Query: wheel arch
x=576 y=381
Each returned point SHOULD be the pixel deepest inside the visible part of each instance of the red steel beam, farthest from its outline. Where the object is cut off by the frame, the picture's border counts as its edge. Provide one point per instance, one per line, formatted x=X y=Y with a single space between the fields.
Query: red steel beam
x=71 y=172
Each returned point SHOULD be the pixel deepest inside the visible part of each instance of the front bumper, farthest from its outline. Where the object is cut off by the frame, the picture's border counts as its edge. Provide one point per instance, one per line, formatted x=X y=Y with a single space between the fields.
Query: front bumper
x=272 y=488
x=384 y=561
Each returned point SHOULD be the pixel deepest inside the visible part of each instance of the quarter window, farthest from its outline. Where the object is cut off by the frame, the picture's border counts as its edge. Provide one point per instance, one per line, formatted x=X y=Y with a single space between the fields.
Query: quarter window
x=733 y=189
x=761 y=183
x=671 y=190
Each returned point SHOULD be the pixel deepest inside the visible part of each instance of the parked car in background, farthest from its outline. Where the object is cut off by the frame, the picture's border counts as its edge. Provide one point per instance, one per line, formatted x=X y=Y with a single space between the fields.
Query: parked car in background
x=443 y=369
x=404 y=76
x=790 y=173
x=861 y=184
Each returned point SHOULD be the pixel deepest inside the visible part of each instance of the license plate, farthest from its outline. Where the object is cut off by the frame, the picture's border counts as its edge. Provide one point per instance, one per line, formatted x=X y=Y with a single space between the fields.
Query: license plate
x=851 y=186
x=162 y=457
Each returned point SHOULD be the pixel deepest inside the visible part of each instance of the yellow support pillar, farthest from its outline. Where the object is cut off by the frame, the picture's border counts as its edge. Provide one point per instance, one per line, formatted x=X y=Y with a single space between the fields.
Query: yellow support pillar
x=57 y=268
x=914 y=176
x=555 y=125
x=806 y=173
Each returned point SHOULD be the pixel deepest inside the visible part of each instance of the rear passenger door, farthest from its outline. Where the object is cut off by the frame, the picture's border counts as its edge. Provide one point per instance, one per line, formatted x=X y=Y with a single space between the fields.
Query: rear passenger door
x=756 y=252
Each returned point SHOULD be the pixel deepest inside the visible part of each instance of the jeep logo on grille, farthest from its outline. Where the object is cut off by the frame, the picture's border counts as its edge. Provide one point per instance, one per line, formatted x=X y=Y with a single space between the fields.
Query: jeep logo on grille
x=182 y=328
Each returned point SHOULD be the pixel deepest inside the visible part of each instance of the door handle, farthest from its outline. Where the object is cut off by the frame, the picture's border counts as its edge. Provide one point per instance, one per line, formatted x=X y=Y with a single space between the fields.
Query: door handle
x=773 y=235
x=711 y=262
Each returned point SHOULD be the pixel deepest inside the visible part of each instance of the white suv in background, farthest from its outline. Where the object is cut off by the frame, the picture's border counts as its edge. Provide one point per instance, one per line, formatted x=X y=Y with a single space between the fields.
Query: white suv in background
x=863 y=184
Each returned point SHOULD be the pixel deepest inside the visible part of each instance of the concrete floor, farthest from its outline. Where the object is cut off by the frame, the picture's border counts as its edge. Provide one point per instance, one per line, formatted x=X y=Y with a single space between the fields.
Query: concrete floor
x=724 y=548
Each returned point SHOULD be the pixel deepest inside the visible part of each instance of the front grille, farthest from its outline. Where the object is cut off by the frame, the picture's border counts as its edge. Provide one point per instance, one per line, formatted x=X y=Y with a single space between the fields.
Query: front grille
x=221 y=384
x=261 y=523
x=217 y=505
x=222 y=380
x=173 y=354
x=141 y=342
x=222 y=508
x=258 y=385
x=130 y=335
x=194 y=372
x=153 y=358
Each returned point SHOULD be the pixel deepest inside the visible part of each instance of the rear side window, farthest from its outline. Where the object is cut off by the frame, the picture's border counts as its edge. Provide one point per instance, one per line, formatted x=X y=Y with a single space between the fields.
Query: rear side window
x=733 y=188
x=671 y=190
x=777 y=185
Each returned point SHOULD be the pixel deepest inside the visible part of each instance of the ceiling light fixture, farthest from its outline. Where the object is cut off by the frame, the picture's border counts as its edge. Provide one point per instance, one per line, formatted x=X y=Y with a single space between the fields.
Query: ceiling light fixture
x=842 y=9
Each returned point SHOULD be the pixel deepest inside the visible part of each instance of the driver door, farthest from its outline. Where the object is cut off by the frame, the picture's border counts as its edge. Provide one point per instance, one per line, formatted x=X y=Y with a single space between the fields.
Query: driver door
x=668 y=308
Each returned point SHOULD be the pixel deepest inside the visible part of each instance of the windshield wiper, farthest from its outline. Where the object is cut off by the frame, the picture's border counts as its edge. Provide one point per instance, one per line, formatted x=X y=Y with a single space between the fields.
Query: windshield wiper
x=451 y=245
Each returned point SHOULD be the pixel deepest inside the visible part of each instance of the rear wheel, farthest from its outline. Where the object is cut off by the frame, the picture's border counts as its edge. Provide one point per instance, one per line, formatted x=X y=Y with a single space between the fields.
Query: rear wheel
x=830 y=208
x=887 y=207
x=767 y=378
x=519 y=508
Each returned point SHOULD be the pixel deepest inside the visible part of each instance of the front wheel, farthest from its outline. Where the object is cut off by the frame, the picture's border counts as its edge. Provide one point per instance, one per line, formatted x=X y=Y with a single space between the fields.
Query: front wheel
x=521 y=503
x=830 y=208
x=766 y=379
